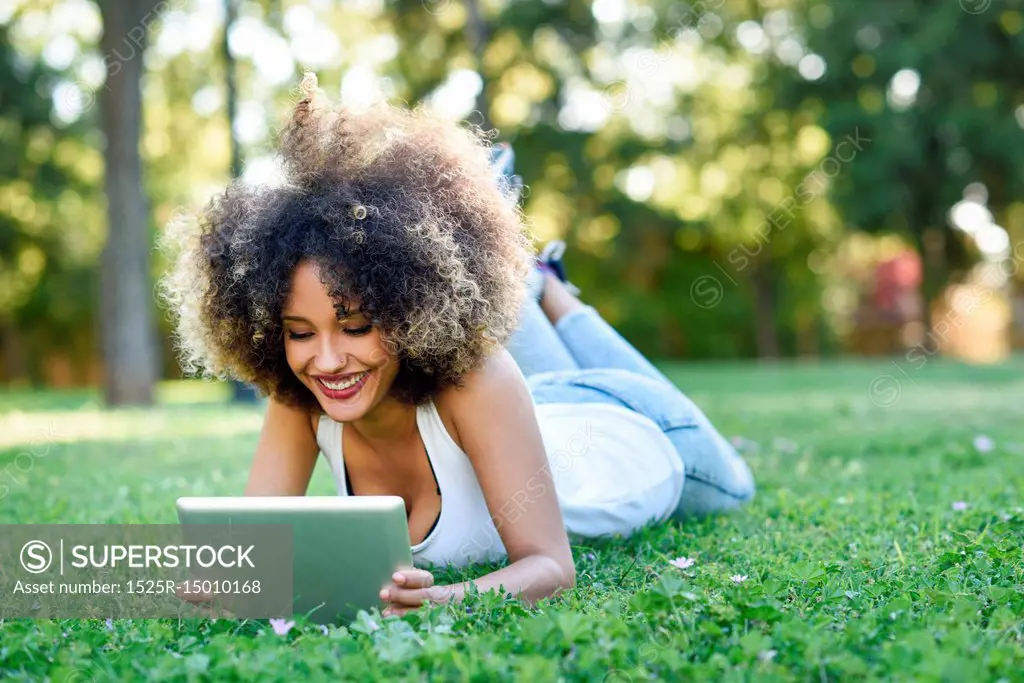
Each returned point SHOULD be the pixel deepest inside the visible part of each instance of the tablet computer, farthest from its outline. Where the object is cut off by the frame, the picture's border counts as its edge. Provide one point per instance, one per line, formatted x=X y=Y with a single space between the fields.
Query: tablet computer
x=345 y=548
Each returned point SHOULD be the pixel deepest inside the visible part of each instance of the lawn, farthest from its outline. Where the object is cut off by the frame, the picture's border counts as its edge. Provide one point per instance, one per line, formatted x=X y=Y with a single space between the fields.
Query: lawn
x=885 y=542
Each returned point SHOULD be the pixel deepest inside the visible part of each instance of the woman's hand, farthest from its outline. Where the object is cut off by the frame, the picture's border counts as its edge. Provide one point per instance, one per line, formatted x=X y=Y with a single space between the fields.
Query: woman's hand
x=411 y=588
x=200 y=601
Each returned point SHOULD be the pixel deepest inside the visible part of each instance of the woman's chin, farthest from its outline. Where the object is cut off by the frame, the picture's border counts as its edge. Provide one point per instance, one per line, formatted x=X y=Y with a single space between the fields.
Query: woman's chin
x=343 y=415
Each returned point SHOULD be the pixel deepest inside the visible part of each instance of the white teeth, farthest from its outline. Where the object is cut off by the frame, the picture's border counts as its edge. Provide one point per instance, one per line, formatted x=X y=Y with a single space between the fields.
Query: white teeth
x=338 y=386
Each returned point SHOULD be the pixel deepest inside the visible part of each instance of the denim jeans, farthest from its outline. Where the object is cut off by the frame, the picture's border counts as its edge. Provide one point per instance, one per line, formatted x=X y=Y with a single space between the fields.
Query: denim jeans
x=583 y=359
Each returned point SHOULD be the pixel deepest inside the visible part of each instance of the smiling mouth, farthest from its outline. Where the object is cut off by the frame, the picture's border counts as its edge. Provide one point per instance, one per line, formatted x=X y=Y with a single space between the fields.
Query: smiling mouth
x=344 y=384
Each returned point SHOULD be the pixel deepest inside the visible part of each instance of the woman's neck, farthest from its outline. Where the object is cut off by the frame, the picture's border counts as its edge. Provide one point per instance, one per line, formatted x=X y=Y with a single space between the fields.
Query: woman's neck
x=388 y=422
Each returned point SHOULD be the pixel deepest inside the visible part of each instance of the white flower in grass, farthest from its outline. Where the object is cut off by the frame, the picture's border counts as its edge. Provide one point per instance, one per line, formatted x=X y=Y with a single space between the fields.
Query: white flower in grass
x=984 y=444
x=738 y=578
x=959 y=506
x=682 y=562
x=785 y=445
x=281 y=627
x=744 y=445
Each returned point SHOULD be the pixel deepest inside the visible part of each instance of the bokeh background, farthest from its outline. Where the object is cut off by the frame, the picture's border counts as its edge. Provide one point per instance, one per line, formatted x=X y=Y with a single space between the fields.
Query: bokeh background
x=734 y=178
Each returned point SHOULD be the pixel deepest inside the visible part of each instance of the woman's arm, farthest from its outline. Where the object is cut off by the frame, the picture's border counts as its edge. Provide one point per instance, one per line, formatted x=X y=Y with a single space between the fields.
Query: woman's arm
x=285 y=455
x=496 y=423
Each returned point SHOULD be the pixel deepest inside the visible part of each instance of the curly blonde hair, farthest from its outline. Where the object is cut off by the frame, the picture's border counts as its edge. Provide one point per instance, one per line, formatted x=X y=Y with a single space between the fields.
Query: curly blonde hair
x=396 y=207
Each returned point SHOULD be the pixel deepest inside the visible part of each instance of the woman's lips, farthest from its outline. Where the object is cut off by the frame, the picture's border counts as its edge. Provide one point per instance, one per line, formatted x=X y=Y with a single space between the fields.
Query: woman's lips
x=340 y=394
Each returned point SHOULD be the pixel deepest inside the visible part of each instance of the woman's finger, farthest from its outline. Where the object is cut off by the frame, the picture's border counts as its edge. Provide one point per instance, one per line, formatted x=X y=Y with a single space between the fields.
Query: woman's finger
x=414 y=597
x=413 y=578
x=409 y=597
x=191 y=596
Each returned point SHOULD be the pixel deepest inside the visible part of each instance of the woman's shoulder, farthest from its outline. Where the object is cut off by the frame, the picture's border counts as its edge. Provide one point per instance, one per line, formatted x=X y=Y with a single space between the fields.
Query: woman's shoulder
x=316 y=419
x=283 y=414
x=495 y=377
x=493 y=387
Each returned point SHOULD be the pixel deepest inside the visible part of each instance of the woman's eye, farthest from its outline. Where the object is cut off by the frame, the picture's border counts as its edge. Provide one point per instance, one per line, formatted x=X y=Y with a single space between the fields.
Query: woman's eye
x=356 y=331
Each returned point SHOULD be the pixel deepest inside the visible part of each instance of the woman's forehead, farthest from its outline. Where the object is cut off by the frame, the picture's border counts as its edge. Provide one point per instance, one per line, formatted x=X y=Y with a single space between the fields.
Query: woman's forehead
x=308 y=293
x=310 y=281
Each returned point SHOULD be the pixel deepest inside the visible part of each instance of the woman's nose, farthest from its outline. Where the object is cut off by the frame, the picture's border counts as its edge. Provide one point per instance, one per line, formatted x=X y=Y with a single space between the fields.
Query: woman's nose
x=329 y=358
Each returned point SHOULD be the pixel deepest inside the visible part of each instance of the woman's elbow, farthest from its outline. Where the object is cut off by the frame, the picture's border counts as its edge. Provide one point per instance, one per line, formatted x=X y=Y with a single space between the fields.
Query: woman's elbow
x=566 y=579
x=558 y=576
x=570 y=579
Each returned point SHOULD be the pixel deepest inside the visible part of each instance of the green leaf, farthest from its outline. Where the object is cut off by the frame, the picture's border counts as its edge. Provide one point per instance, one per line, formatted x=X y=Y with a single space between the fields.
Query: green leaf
x=896 y=607
x=1000 y=594
x=807 y=571
x=948 y=559
x=364 y=623
x=197 y=663
x=852 y=666
x=754 y=642
x=537 y=629
x=397 y=641
x=1003 y=618
x=966 y=609
x=762 y=611
x=669 y=585
x=575 y=627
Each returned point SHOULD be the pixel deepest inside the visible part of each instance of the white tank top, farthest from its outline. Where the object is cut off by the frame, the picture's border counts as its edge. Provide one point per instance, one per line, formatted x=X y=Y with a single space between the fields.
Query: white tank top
x=614 y=471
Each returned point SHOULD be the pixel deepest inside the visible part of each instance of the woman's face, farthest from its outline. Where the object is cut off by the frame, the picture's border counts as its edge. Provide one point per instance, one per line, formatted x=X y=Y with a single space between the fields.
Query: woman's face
x=342 y=361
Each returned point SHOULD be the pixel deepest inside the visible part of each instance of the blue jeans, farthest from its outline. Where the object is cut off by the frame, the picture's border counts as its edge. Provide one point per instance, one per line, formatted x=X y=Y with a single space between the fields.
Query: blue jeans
x=583 y=359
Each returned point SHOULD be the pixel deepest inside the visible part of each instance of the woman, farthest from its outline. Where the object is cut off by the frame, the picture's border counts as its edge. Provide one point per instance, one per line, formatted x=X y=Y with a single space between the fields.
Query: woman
x=378 y=296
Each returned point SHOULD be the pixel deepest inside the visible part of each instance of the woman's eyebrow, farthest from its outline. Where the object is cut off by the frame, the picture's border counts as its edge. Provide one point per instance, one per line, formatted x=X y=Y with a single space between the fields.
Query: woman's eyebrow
x=300 y=319
x=346 y=313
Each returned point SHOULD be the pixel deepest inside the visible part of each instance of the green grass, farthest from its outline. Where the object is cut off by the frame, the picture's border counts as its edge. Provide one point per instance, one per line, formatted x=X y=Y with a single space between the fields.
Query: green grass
x=859 y=567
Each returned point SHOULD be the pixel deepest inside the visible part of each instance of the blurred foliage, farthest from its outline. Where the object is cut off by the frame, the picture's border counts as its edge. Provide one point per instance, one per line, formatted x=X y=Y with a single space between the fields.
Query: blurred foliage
x=964 y=126
x=50 y=215
x=689 y=153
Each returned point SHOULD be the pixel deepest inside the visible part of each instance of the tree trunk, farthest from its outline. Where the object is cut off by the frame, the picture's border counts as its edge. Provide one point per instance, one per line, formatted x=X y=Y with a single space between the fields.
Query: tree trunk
x=13 y=367
x=931 y=233
x=476 y=31
x=230 y=88
x=128 y=326
x=240 y=391
x=934 y=271
x=763 y=278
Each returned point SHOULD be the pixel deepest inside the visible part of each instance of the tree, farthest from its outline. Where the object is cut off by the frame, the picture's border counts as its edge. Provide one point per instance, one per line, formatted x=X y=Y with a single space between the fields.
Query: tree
x=936 y=85
x=128 y=326
x=48 y=218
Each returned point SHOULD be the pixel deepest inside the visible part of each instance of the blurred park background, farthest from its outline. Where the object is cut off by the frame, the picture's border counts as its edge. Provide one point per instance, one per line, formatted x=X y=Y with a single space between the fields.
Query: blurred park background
x=734 y=178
